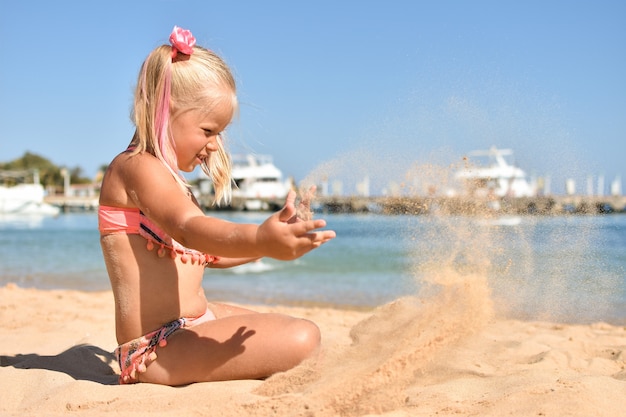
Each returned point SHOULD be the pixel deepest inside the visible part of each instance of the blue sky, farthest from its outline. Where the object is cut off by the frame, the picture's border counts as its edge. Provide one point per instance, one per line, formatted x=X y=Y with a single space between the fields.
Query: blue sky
x=345 y=89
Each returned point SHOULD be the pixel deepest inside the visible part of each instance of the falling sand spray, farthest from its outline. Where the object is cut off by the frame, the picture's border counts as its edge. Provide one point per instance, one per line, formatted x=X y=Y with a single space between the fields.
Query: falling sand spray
x=391 y=347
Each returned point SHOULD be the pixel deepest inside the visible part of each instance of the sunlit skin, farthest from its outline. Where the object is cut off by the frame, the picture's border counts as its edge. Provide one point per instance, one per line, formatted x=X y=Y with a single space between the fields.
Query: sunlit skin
x=150 y=290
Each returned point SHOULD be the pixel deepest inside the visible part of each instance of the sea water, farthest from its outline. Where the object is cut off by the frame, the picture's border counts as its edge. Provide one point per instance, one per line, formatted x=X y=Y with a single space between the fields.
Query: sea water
x=569 y=268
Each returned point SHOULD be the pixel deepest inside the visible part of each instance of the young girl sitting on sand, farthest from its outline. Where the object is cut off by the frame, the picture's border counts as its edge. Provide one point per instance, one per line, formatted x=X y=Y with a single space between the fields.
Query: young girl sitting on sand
x=156 y=241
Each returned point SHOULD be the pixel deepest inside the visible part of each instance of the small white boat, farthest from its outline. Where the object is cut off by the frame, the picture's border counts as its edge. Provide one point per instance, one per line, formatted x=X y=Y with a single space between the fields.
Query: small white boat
x=496 y=178
x=258 y=182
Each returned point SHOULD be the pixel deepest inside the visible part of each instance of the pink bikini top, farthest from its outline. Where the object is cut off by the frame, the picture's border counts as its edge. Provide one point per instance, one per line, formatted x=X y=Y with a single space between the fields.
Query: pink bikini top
x=112 y=220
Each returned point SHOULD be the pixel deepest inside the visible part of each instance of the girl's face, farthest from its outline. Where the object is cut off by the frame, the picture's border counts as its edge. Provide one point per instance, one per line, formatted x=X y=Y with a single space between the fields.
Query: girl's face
x=195 y=133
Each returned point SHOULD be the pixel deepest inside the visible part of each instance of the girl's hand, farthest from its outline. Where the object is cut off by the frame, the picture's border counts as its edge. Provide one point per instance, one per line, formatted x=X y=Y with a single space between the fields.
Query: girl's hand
x=286 y=236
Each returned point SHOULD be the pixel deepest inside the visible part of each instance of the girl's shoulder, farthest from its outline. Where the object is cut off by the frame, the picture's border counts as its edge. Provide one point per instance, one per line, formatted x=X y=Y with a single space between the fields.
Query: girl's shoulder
x=135 y=166
x=132 y=173
x=132 y=160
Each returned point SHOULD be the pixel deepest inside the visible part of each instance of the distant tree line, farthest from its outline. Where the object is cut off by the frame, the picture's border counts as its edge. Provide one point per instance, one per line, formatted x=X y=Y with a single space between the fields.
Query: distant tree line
x=50 y=175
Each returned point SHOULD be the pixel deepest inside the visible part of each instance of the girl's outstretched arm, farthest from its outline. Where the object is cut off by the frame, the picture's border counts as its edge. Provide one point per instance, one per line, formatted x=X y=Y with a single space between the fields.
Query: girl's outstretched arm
x=151 y=188
x=302 y=213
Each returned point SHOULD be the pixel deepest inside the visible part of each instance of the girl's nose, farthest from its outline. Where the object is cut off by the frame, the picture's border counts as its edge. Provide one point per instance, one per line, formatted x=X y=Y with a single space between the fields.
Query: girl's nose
x=211 y=145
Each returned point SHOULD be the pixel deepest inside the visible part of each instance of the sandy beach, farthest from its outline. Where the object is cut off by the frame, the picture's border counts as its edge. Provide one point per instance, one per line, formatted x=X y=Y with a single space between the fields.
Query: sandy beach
x=444 y=355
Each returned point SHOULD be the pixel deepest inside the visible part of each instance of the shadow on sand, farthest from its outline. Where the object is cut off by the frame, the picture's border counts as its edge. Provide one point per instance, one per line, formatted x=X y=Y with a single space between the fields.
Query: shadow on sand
x=81 y=362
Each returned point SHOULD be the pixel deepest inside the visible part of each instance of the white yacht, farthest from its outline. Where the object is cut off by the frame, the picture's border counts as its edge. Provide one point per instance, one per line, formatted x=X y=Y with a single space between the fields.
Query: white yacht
x=492 y=175
x=258 y=182
x=24 y=199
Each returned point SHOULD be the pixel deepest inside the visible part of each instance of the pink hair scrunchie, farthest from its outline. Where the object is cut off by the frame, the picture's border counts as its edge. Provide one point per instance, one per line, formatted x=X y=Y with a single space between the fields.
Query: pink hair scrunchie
x=182 y=40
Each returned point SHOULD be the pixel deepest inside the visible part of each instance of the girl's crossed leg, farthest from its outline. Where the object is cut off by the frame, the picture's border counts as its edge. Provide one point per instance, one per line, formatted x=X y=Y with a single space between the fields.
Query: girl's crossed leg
x=239 y=344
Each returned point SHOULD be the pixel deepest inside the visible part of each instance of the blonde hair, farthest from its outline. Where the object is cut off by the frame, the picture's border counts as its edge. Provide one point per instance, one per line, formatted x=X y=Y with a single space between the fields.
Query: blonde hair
x=169 y=85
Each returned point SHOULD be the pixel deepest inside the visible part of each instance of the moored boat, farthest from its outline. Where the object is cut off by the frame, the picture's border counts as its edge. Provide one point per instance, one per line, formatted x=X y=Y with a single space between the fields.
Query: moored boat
x=258 y=182
x=24 y=199
x=495 y=178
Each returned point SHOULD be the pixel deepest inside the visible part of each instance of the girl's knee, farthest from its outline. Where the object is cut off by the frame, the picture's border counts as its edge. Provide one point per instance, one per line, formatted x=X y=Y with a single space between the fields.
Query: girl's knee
x=305 y=337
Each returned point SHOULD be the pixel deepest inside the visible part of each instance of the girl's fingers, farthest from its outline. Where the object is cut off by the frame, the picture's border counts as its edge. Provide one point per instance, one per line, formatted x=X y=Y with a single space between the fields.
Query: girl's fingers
x=289 y=210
